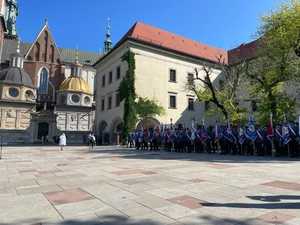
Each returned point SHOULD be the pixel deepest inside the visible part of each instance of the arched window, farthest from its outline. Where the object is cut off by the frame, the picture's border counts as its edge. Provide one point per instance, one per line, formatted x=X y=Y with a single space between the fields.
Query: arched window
x=43 y=82
x=46 y=46
x=52 y=54
x=37 y=51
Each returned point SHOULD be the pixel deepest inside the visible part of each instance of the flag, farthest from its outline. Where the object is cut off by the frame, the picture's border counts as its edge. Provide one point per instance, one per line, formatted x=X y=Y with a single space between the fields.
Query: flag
x=216 y=131
x=270 y=130
x=242 y=137
x=285 y=133
x=250 y=131
x=299 y=126
x=228 y=134
x=204 y=135
x=292 y=130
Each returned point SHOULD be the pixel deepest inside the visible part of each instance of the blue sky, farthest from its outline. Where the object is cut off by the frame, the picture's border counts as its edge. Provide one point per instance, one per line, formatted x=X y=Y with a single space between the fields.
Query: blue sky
x=221 y=23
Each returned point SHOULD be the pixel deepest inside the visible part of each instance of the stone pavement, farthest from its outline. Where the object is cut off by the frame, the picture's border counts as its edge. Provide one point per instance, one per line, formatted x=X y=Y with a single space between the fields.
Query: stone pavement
x=41 y=185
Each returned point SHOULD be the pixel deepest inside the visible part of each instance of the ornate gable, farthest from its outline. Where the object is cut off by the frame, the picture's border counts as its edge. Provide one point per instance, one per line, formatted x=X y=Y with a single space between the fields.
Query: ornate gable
x=44 y=48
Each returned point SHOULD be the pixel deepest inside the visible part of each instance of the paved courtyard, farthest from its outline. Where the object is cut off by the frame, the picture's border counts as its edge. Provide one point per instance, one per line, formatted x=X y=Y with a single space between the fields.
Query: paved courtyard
x=41 y=185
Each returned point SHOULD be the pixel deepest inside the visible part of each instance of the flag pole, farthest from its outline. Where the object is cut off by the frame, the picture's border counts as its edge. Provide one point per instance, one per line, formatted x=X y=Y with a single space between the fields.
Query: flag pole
x=272 y=138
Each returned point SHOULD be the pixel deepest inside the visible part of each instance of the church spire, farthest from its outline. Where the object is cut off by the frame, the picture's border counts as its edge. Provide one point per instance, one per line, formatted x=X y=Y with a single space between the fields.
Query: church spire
x=12 y=12
x=76 y=67
x=108 y=42
x=17 y=59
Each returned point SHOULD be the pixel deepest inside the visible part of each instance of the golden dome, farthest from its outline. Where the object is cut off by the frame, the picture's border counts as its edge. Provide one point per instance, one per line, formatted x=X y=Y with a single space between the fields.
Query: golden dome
x=75 y=84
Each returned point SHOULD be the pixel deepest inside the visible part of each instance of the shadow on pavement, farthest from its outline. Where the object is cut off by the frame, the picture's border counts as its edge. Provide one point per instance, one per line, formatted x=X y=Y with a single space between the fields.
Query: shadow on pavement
x=272 y=205
x=123 y=220
x=202 y=157
x=275 y=198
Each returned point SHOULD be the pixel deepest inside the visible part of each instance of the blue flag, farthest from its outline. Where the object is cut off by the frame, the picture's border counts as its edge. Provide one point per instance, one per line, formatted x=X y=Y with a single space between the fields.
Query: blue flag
x=286 y=138
x=250 y=131
x=228 y=134
x=242 y=137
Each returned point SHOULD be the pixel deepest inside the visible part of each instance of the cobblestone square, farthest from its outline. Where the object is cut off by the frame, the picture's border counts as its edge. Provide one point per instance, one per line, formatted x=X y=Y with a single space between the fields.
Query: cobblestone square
x=114 y=185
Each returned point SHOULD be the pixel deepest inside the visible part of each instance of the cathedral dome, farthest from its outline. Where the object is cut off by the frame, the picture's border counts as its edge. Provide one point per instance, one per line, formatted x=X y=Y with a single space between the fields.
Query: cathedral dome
x=75 y=84
x=15 y=76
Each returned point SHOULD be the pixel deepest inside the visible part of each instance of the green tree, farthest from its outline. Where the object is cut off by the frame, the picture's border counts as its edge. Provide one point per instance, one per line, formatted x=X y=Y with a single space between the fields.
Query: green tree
x=134 y=107
x=127 y=93
x=223 y=98
x=276 y=62
x=148 y=108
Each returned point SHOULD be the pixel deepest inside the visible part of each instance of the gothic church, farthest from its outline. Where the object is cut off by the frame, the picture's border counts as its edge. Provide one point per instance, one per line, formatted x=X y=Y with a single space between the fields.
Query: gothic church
x=44 y=90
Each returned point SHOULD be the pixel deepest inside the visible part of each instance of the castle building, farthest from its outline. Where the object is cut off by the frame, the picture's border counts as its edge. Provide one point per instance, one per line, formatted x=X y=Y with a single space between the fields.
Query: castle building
x=61 y=81
x=164 y=62
x=17 y=101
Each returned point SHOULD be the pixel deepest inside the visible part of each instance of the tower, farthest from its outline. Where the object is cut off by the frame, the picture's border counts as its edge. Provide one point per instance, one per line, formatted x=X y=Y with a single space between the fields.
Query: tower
x=107 y=41
x=12 y=12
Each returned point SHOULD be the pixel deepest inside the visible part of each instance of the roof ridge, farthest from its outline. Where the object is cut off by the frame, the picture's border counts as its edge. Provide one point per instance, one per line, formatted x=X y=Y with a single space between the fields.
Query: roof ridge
x=179 y=35
x=79 y=51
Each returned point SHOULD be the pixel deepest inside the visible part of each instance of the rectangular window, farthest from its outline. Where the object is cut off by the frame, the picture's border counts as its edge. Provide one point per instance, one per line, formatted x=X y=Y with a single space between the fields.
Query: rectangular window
x=206 y=105
x=172 y=77
x=172 y=101
x=110 y=77
x=109 y=102
x=103 y=81
x=118 y=72
x=190 y=78
x=117 y=100
x=191 y=104
x=221 y=84
x=102 y=104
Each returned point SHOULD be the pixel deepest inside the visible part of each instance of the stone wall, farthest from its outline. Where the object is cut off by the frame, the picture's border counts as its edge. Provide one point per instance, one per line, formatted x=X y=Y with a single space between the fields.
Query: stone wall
x=74 y=121
x=14 y=118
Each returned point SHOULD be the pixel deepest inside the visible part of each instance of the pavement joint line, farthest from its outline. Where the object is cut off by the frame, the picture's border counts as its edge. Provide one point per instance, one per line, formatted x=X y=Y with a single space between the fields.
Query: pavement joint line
x=101 y=200
x=53 y=206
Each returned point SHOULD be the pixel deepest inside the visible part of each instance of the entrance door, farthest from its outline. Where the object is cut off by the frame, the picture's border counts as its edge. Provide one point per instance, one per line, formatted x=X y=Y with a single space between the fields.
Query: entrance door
x=43 y=130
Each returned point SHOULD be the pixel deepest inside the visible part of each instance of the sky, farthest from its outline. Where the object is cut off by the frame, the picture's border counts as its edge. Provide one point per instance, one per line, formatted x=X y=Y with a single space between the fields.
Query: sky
x=220 y=23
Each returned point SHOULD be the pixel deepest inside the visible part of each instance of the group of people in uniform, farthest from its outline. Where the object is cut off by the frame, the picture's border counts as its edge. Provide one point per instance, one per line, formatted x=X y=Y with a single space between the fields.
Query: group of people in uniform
x=251 y=139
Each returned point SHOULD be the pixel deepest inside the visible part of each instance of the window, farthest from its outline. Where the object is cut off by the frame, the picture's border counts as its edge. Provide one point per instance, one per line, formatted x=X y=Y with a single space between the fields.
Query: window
x=52 y=54
x=37 y=51
x=46 y=46
x=172 y=77
x=206 y=105
x=29 y=95
x=109 y=102
x=103 y=81
x=172 y=101
x=253 y=106
x=75 y=98
x=191 y=104
x=110 y=78
x=118 y=100
x=43 y=82
x=190 y=78
x=87 y=100
x=13 y=92
x=221 y=84
x=118 y=72
x=102 y=104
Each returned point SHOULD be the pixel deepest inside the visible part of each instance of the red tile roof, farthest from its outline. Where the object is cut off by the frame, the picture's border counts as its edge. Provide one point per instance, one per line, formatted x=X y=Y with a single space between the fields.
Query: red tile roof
x=243 y=52
x=164 y=39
